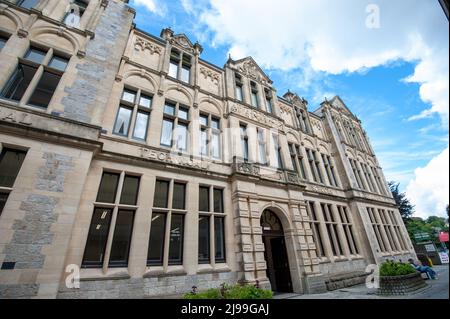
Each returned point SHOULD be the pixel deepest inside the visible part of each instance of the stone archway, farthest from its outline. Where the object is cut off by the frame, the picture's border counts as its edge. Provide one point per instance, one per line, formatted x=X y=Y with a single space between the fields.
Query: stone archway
x=275 y=253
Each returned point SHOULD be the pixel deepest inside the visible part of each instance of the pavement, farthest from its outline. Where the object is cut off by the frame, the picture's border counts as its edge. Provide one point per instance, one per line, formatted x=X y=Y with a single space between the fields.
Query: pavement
x=435 y=289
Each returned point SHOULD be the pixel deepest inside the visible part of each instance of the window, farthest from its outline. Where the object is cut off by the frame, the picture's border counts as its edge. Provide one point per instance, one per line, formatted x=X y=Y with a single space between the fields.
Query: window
x=3 y=40
x=239 y=85
x=303 y=121
x=348 y=229
x=165 y=241
x=297 y=160
x=277 y=149
x=269 y=103
x=76 y=11
x=377 y=228
x=377 y=177
x=314 y=166
x=209 y=136
x=175 y=126
x=133 y=105
x=180 y=65
x=329 y=169
x=261 y=146
x=315 y=226
x=28 y=4
x=357 y=174
x=51 y=68
x=388 y=229
x=110 y=204
x=244 y=141
x=10 y=163
x=368 y=177
x=331 y=225
x=254 y=94
x=211 y=227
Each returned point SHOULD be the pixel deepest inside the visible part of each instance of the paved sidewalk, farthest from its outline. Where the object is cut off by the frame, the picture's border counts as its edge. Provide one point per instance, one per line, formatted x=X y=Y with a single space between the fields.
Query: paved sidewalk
x=436 y=289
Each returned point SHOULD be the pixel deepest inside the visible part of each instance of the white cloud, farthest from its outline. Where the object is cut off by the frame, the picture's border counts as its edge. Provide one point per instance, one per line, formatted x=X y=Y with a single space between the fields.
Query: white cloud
x=332 y=36
x=153 y=6
x=429 y=189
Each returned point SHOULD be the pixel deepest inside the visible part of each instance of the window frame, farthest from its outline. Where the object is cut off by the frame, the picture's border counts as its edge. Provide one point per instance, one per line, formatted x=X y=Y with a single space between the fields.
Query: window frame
x=177 y=121
x=210 y=133
x=211 y=215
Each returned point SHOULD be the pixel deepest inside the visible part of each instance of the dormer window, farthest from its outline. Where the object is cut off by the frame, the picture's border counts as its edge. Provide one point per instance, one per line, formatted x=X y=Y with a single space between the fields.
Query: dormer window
x=254 y=94
x=180 y=65
x=238 y=92
x=269 y=103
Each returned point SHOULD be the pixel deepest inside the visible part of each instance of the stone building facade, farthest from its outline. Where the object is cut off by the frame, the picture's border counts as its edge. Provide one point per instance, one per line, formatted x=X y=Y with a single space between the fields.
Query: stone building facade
x=128 y=159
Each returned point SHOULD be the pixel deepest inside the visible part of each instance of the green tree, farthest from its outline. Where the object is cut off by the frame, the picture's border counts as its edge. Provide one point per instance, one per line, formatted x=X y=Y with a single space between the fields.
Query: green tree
x=404 y=205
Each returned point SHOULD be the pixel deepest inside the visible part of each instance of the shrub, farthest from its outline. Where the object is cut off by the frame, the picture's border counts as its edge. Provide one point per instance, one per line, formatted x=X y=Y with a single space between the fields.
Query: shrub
x=392 y=268
x=231 y=292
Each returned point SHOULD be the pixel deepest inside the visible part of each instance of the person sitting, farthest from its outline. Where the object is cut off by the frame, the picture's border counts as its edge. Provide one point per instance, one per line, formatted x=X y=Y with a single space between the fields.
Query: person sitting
x=423 y=269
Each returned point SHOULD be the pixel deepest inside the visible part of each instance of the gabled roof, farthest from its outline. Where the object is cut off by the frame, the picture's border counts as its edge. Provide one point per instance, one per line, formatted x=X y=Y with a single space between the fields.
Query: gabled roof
x=250 y=68
x=338 y=104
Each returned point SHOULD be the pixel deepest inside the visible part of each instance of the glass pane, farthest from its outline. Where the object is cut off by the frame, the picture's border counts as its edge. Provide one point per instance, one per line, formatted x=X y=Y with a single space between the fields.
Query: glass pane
x=72 y=19
x=35 y=55
x=245 y=149
x=203 y=120
x=181 y=136
x=140 y=127
x=218 y=200
x=44 y=91
x=145 y=101
x=98 y=235
x=108 y=188
x=176 y=239
x=10 y=164
x=254 y=99
x=130 y=190
x=2 y=42
x=179 y=196
x=123 y=121
x=173 y=69
x=156 y=241
x=203 y=142
x=269 y=105
x=129 y=96
x=161 y=194
x=239 y=93
x=215 y=124
x=203 y=199
x=18 y=83
x=58 y=63
x=219 y=238
x=215 y=146
x=166 y=134
x=120 y=247
x=169 y=109
x=3 y=198
x=262 y=153
x=203 y=239
x=185 y=74
x=183 y=113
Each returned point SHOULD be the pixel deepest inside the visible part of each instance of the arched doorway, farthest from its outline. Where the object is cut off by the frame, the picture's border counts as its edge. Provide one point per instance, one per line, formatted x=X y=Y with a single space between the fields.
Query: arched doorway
x=278 y=270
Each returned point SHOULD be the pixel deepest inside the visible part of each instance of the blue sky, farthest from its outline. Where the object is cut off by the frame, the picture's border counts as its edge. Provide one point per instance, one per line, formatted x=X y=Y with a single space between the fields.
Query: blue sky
x=387 y=60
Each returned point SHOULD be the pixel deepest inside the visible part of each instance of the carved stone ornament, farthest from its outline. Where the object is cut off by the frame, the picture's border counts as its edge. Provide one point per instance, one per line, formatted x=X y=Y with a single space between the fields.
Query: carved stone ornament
x=285 y=109
x=251 y=70
x=295 y=99
x=256 y=116
x=207 y=73
x=141 y=44
x=183 y=42
x=247 y=168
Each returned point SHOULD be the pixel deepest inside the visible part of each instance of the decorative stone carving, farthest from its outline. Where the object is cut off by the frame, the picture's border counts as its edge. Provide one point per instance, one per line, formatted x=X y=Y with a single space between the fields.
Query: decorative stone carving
x=295 y=99
x=247 y=168
x=207 y=73
x=141 y=44
x=292 y=178
x=285 y=109
x=251 y=70
x=172 y=159
x=256 y=115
